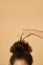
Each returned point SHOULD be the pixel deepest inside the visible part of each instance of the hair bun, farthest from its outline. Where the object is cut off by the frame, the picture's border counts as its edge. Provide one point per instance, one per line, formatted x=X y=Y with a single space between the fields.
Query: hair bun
x=20 y=46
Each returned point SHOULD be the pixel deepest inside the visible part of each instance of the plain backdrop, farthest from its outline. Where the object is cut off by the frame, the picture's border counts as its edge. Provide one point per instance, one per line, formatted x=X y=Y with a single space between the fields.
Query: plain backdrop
x=14 y=16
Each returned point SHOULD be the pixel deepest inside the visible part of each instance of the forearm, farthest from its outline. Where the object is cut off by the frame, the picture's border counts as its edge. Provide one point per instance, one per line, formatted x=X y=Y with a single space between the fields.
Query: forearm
x=37 y=33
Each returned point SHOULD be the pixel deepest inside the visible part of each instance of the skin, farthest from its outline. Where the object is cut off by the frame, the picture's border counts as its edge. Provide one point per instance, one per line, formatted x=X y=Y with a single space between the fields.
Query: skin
x=20 y=62
x=28 y=32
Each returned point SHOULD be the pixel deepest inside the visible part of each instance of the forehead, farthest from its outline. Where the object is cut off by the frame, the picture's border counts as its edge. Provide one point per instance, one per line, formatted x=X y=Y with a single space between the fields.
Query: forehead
x=20 y=62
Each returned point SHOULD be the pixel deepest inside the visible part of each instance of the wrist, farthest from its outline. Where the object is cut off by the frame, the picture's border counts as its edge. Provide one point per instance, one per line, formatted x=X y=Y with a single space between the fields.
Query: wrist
x=32 y=31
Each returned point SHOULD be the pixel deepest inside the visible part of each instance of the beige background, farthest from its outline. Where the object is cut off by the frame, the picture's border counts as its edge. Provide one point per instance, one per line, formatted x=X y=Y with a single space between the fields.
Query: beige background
x=15 y=15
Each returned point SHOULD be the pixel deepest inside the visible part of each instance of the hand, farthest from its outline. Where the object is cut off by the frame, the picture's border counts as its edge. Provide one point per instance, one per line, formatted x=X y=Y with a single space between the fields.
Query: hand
x=24 y=34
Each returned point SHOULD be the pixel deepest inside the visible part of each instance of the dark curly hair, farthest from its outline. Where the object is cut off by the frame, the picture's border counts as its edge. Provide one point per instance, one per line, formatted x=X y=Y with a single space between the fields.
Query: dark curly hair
x=21 y=50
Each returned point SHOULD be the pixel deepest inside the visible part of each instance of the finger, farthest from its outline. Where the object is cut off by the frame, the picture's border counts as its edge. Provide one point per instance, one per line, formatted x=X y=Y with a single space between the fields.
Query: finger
x=26 y=36
x=21 y=37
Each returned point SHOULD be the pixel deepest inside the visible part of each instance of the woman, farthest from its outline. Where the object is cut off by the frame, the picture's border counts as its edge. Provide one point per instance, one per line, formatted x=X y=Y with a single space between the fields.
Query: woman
x=21 y=50
x=21 y=53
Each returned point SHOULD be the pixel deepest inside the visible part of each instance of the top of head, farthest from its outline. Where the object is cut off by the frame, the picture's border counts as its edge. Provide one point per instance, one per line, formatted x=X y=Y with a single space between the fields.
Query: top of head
x=20 y=47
